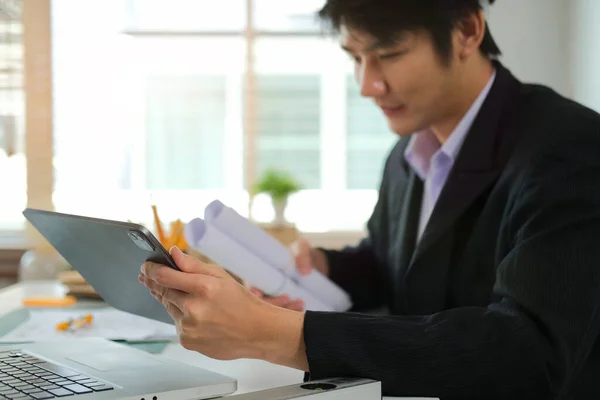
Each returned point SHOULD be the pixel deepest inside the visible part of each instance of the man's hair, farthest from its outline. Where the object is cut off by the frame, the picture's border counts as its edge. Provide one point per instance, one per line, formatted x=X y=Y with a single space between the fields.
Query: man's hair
x=386 y=20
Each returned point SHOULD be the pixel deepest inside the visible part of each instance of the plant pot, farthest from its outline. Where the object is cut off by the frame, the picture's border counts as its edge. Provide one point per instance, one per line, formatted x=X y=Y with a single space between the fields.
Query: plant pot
x=279 y=207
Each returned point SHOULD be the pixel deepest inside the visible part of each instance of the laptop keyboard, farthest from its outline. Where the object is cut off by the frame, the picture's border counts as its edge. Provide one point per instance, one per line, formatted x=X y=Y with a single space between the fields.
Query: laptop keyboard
x=23 y=377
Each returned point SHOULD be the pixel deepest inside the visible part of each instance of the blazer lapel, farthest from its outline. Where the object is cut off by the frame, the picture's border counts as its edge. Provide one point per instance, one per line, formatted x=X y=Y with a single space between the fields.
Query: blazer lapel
x=408 y=222
x=479 y=163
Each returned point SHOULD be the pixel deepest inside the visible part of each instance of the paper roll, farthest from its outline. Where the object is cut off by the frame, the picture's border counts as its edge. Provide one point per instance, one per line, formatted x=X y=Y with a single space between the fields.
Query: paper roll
x=267 y=248
x=213 y=243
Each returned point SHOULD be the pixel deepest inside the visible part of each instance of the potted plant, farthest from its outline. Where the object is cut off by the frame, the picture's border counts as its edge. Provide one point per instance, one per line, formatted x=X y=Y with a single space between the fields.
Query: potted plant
x=279 y=185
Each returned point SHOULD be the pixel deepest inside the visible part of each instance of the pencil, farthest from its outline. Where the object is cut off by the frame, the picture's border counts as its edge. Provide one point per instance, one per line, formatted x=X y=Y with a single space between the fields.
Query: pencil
x=159 y=228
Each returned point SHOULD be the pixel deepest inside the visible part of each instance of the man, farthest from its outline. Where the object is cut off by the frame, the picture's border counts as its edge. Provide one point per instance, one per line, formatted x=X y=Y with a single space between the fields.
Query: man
x=483 y=244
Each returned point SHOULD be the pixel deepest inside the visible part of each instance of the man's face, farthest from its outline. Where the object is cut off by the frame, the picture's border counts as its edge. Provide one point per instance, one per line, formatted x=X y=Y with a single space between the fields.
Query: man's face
x=407 y=79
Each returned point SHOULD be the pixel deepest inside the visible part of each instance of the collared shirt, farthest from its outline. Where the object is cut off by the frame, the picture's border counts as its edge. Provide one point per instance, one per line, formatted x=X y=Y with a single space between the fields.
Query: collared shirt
x=432 y=162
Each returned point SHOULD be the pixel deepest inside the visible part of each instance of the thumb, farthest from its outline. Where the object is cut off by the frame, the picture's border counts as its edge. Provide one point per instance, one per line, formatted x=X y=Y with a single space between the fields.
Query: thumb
x=302 y=250
x=192 y=265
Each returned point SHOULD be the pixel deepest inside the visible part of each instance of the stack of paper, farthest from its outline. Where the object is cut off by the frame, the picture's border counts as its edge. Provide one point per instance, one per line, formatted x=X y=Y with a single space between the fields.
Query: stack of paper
x=108 y=323
x=249 y=252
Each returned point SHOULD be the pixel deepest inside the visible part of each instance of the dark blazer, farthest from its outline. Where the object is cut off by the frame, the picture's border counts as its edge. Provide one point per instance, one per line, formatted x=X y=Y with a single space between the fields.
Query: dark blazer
x=501 y=296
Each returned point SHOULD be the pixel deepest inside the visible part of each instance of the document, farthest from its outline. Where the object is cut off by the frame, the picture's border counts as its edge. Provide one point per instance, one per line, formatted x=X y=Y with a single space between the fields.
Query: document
x=249 y=252
x=232 y=256
x=273 y=253
x=107 y=323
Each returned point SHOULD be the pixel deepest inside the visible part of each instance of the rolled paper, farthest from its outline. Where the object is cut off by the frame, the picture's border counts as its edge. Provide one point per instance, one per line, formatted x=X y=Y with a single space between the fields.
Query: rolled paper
x=267 y=248
x=228 y=253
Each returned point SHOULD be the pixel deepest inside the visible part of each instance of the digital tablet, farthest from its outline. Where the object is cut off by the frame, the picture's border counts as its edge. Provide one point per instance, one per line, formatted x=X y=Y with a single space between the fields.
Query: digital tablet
x=108 y=254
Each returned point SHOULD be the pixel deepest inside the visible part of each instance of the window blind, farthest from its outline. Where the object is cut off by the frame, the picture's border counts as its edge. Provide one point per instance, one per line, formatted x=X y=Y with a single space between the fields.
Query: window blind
x=185 y=129
x=288 y=127
x=369 y=139
x=12 y=120
x=186 y=110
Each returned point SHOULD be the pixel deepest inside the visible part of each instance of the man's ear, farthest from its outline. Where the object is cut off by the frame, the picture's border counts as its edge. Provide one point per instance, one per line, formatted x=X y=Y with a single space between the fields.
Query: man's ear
x=469 y=34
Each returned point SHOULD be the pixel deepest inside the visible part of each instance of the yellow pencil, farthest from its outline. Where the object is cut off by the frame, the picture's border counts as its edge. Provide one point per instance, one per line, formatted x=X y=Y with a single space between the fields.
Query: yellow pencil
x=75 y=324
x=159 y=228
x=49 y=301
x=181 y=242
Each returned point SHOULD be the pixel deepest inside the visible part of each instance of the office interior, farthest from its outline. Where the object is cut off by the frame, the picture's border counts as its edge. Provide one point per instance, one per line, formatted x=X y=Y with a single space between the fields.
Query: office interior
x=108 y=108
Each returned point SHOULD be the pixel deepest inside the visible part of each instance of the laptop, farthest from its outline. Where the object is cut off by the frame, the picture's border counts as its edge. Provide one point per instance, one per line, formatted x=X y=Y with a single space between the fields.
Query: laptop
x=108 y=254
x=98 y=369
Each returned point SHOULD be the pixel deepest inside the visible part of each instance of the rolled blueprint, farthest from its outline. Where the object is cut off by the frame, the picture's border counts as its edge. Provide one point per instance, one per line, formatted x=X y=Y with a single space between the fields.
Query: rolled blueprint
x=263 y=245
x=214 y=244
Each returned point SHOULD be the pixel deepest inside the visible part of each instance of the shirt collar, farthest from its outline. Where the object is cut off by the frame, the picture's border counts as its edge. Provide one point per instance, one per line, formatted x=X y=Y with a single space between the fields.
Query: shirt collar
x=424 y=144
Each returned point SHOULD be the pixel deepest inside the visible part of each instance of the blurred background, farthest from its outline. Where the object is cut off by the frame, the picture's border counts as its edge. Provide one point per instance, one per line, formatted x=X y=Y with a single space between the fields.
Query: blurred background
x=110 y=106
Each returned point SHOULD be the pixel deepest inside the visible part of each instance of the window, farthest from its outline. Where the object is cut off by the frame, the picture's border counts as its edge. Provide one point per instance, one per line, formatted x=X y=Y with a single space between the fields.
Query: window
x=286 y=16
x=369 y=140
x=185 y=129
x=289 y=126
x=184 y=15
x=13 y=180
x=179 y=103
x=160 y=121
x=288 y=99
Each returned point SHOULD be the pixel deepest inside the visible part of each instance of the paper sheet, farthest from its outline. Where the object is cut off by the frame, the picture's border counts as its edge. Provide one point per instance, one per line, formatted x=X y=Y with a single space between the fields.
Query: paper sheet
x=231 y=255
x=108 y=323
x=273 y=253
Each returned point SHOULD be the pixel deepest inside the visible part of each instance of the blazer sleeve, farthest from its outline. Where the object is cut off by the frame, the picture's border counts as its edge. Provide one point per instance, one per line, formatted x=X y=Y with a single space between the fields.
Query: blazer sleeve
x=530 y=343
x=358 y=269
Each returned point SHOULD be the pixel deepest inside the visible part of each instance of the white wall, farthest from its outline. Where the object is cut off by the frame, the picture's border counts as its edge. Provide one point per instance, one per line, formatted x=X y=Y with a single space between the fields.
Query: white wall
x=534 y=38
x=585 y=52
x=553 y=42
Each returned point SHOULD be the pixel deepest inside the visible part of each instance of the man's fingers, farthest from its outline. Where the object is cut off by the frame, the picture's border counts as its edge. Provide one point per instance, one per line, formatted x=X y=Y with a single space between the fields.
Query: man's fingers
x=155 y=289
x=175 y=297
x=285 y=302
x=173 y=311
x=171 y=299
x=168 y=277
x=185 y=280
x=192 y=265
x=257 y=292
x=296 y=305
x=301 y=250
x=279 y=301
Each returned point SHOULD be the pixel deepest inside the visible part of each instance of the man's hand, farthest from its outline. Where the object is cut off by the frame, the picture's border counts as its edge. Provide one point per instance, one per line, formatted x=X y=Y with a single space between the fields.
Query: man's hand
x=307 y=258
x=220 y=318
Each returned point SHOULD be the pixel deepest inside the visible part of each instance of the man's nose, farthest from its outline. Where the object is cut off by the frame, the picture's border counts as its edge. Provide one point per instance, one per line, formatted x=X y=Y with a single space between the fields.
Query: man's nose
x=371 y=82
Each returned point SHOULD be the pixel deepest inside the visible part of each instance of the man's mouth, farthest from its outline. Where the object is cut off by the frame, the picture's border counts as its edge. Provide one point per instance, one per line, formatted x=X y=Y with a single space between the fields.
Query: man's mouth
x=392 y=111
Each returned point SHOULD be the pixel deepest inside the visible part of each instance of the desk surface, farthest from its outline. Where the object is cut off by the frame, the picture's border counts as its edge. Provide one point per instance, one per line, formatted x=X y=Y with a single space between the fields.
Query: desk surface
x=252 y=375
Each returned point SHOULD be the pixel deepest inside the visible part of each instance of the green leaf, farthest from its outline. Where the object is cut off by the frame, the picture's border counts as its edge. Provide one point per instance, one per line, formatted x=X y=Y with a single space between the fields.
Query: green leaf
x=276 y=183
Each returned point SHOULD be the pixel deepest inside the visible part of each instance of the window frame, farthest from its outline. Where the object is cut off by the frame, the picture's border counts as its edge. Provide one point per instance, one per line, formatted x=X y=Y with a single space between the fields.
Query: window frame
x=333 y=132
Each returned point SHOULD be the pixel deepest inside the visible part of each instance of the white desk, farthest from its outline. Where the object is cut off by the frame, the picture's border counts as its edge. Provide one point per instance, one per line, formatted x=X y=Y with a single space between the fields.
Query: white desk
x=252 y=375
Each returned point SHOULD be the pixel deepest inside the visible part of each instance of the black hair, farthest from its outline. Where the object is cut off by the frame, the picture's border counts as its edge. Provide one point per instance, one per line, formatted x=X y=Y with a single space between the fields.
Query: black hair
x=386 y=20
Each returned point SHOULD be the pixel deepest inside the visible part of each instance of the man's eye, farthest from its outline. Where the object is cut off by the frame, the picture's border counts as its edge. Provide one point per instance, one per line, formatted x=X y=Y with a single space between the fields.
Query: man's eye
x=356 y=59
x=389 y=56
